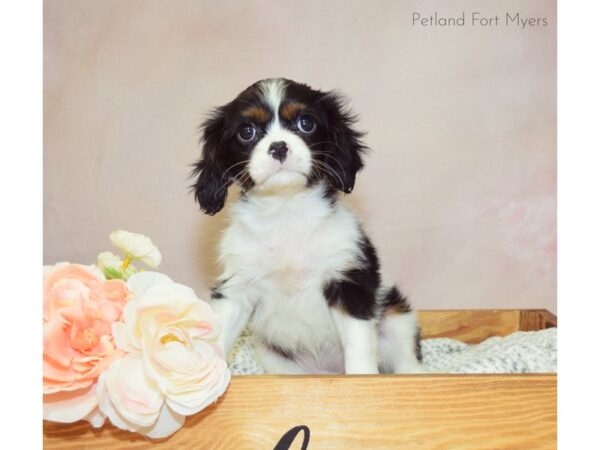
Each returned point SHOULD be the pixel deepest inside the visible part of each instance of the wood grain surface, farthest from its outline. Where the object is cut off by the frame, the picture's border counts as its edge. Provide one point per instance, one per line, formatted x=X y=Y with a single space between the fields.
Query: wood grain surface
x=536 y=319
x=469 y=326
x=363 y=412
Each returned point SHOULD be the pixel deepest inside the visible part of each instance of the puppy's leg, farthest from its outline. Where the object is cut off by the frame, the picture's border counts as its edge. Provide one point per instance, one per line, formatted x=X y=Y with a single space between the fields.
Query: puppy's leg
x=359 y=340
x=232 y=308
x=399 y=342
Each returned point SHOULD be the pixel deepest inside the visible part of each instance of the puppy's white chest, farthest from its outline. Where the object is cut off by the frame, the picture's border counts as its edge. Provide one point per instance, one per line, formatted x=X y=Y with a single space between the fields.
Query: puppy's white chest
x=290 y=240
x=284 y=252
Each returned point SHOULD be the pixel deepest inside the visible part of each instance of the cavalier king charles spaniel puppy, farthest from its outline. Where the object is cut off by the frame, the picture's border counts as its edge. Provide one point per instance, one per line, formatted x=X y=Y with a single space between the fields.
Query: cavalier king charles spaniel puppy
x=297 y=265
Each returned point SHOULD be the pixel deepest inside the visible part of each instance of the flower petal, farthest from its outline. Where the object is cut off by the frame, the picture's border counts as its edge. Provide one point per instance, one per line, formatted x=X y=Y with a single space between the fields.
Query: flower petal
x=165 y=423
x=137 y=246
x=96 y=418
x=56 y=343
x=140 y=282
x=168 y=423
x=67 y=407
x=174 y=295
x=108 y=260
x=107 y=407
x=191 y=401
x=123 y=340
x=135 y=396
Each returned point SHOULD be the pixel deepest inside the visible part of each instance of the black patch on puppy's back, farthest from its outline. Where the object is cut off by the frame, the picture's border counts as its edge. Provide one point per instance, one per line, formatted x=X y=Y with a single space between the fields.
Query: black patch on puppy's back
x=355 y=292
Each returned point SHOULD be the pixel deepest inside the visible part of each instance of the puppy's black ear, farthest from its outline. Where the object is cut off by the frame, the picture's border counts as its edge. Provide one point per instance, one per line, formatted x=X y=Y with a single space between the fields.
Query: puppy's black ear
x=210 y=188
x=346 y=157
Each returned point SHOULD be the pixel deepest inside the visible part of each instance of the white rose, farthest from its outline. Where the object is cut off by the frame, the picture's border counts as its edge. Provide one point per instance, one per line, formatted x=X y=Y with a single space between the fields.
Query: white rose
x=136 y=246
x=174 y=366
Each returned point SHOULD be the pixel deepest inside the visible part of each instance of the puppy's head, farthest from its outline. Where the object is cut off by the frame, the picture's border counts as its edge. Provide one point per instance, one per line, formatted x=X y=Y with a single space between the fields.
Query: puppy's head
x=277 y=134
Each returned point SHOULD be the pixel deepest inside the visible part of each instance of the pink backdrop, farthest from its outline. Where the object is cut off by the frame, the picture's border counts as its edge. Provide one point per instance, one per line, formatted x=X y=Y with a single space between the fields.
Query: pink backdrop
x=459 y=192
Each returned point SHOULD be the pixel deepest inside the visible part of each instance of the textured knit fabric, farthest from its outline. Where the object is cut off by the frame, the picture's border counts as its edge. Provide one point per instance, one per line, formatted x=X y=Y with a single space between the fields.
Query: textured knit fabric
x=522 y=352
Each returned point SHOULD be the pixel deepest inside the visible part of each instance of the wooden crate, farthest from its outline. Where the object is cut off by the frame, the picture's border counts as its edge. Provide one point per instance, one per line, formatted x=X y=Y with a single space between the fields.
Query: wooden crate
x=511 y=411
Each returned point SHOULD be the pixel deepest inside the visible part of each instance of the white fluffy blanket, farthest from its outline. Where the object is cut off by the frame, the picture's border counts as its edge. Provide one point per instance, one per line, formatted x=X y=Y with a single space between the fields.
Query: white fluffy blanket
x=533 y=351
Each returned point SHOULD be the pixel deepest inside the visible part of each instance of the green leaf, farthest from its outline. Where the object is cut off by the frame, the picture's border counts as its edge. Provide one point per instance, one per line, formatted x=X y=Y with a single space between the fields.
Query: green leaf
x=112 y=273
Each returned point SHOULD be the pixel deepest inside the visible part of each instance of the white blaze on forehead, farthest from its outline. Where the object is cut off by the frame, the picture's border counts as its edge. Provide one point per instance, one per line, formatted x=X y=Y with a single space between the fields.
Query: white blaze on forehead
x=272 y=91
x=266 y=171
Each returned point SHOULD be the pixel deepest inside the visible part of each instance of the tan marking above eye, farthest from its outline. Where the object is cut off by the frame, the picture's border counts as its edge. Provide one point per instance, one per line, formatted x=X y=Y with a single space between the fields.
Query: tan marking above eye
x=257 y=114
x=289 y=111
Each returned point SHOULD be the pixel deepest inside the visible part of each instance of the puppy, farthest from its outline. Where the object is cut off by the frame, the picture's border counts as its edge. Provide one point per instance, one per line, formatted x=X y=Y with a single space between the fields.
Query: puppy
x=297 y=264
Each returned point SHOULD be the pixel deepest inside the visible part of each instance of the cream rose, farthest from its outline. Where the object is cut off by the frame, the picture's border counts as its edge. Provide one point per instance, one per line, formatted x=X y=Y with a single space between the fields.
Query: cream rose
x=173 y=367
x=80 y=307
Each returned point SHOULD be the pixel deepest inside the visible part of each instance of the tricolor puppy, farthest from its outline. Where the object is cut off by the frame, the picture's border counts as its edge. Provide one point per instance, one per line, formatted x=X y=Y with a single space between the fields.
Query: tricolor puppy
x=297 y=264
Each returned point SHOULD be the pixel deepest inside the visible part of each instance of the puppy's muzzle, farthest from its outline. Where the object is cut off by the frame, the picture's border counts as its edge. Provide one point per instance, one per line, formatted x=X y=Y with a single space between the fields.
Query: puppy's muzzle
x=278 y=150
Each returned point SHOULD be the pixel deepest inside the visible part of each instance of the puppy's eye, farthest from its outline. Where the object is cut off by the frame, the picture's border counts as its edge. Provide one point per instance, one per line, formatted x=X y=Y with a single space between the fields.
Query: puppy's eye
x=246 y=133
x=306 y=124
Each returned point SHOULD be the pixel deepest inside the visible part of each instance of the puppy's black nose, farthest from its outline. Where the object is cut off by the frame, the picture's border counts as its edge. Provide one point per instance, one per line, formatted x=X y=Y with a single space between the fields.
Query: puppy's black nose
x=278 y=150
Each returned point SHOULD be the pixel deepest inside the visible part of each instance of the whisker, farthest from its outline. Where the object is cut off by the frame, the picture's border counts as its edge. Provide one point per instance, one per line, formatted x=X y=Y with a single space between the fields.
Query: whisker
x=323 y=142
x=329 y=170
x=333 y=158
x=234 y=179
x=245 y=176
x=236 y=164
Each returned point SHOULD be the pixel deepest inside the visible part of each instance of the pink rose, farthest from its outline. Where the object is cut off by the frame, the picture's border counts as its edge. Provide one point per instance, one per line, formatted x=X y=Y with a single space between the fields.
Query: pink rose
x=80 y=306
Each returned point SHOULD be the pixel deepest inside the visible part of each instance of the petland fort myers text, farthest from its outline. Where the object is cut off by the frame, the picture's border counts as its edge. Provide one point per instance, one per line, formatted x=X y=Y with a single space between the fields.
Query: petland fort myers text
x=478 y=19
